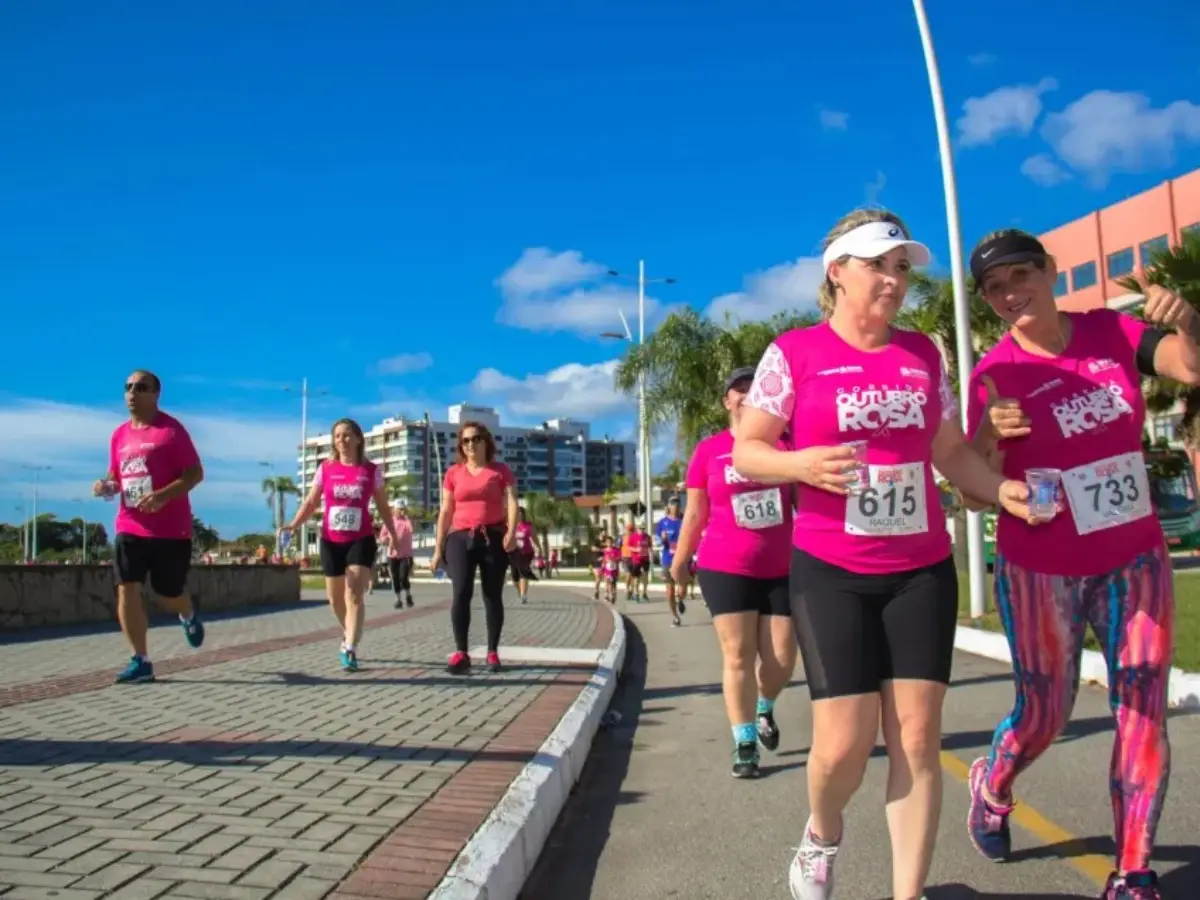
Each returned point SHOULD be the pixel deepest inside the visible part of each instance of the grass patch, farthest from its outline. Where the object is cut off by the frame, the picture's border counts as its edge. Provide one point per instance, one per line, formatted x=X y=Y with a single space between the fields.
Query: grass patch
x=1187 y=617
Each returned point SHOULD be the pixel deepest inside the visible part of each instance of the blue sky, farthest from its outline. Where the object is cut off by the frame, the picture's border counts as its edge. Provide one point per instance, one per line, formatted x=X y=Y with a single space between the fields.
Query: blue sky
x=411 y=203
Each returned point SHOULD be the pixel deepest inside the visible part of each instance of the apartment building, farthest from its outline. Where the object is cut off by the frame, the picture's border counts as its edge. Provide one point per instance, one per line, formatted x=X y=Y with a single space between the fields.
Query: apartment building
x=1095 y=250
x=558 y=457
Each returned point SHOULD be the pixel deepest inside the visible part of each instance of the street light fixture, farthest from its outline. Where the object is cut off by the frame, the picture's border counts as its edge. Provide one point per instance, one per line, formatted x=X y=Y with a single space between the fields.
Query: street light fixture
x=962 y=308
x=32 y=541
x=643 y=427
x=304 y=453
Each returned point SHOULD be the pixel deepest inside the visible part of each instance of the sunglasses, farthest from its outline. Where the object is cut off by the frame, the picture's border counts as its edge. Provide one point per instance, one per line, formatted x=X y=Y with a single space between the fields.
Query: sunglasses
x=137 y=387
x=474 y=439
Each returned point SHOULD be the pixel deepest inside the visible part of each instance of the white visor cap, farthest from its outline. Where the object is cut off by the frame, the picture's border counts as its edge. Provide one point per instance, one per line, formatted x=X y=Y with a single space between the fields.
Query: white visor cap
x=872 y=240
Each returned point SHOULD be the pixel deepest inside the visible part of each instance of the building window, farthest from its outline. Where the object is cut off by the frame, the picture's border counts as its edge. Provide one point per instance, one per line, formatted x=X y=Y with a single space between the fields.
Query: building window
x=1120 y=263
x=1060 y=285
x=1083 y=276
x=1147 y=250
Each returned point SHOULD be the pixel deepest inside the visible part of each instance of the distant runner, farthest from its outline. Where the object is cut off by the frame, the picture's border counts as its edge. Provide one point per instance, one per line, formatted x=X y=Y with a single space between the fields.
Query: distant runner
x=667 y=531
x=152 y=467
x=400 y=555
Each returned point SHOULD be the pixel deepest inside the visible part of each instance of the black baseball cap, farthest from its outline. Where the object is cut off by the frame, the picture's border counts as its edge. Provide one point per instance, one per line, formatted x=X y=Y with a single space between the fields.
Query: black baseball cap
x=1004 y=250
x=745 y=373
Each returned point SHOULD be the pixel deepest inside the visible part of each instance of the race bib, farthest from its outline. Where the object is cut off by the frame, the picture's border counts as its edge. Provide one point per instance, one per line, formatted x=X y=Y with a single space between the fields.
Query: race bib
x=345 y=518
x=134 y=489
x=758 y=509
x=892 y=504
x=1108 y=493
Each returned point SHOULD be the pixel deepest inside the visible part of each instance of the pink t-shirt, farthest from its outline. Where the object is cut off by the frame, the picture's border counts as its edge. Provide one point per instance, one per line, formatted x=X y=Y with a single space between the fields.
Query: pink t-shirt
x=612 y=560
x=895 y=399
x=749 y=524
x=1086 y=417
x=478 y=498
x=639 y=547
x=346 y=492
x=403 y=549
x=525 y=538
x=145 y=460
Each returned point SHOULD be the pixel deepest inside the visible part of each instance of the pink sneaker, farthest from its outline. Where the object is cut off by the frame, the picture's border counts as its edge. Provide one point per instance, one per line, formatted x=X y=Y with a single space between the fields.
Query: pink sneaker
x=459 y=663
x=493 y=661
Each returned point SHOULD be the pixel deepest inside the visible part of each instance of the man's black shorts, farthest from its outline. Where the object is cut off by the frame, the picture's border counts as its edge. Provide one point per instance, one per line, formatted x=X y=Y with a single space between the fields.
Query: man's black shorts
x=165 y=560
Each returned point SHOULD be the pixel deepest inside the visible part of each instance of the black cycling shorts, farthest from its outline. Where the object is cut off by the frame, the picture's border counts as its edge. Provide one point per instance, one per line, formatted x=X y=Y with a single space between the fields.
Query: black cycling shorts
x=521 y=566
x=165 y=560
x=725 y=592
x=336 y=557
x=856 y=631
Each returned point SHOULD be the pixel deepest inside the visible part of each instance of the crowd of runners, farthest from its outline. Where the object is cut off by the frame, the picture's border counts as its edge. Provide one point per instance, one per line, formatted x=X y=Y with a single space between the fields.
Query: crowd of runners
x=814 y=523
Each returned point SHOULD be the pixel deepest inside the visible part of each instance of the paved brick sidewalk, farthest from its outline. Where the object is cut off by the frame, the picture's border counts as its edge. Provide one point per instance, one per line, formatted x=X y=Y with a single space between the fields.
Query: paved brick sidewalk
x=257 y=769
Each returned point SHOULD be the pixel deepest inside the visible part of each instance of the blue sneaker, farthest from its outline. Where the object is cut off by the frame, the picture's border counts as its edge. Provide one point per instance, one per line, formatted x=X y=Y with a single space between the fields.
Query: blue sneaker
x=349 y=660
x=193 y=629
x=138 y=670
x=987 y=824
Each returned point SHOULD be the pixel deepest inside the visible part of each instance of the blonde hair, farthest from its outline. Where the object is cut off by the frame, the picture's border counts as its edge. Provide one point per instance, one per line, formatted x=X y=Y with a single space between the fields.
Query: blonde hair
x=827 y=292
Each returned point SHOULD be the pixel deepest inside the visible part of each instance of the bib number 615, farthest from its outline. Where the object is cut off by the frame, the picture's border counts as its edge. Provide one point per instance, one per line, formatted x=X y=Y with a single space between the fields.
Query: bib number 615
x=890 y=503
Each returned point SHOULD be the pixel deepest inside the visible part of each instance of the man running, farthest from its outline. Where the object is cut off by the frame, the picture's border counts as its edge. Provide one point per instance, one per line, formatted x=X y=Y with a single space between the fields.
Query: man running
x=667 y=531
x=639 y=561
x=152 y=467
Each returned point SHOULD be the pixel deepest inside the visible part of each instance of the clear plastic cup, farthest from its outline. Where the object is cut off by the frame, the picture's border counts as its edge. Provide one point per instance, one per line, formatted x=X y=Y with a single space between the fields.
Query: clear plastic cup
x=285 y=541
x=861 y=472
x=1043 y=491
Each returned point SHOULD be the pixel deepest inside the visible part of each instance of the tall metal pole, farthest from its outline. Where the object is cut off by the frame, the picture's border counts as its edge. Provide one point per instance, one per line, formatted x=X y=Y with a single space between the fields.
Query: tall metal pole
x=644 y=430
x=303 y=461
x=962 y=307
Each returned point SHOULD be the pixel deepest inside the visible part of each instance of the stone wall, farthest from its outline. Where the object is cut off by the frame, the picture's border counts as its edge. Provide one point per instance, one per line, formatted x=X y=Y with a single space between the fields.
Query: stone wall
x=41 y=596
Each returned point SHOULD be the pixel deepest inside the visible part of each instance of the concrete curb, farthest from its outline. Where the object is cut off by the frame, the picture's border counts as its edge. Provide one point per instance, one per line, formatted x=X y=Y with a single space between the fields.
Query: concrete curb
x=1183 y=691
x=500 y=856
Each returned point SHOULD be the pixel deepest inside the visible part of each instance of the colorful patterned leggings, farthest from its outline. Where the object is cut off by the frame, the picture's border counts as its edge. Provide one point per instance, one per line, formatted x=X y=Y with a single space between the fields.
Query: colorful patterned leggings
x=1132 y=613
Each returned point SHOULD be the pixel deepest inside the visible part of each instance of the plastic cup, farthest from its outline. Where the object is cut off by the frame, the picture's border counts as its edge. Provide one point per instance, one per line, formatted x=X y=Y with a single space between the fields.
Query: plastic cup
x=860 y=471
x=1043 y=491
x=285 y=541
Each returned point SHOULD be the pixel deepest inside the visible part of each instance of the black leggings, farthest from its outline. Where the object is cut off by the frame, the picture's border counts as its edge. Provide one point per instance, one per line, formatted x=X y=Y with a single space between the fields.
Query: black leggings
x=400 y=569
x=467 y=551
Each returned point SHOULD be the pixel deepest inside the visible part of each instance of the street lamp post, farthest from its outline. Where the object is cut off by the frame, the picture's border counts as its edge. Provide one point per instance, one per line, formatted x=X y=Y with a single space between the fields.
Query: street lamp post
x=644 y=466
x=304 y=456
x=270 y=467
x=32 y=540
x=962 y=308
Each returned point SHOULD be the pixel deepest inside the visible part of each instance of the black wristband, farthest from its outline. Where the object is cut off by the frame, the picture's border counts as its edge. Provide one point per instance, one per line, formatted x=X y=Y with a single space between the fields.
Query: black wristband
x=1146 y=348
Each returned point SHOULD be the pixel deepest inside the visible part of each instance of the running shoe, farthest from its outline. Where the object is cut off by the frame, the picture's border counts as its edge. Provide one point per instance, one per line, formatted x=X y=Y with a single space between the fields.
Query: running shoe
x=493 y=661
x=768 y=731
x=349 y=660
x=193 y=628
x=682 y=608
x=138 y=670
x=459 y=663
x=745 y=760
x=987 y=824
x=399 y=602
x=811 y=874
x=1132 y=886
x=675 y=623
x=409 y=600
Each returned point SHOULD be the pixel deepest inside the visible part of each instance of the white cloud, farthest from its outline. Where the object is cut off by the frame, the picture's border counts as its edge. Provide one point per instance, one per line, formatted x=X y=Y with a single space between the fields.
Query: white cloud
x=872 y=189
x=1005 y=111
x=576 y=390
x=833 y=120
x=979 y=60
x=405 y=362
x=1105 y=132
x=547 y=292
x=787 y=287
x=1042 y=169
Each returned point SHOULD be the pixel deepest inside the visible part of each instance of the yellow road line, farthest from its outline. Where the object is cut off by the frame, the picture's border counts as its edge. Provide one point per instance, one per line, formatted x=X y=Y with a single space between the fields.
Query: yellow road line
x=1071 y=848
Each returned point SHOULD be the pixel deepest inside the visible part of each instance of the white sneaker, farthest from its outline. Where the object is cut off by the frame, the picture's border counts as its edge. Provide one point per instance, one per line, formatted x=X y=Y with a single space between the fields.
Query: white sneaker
x=811 y=874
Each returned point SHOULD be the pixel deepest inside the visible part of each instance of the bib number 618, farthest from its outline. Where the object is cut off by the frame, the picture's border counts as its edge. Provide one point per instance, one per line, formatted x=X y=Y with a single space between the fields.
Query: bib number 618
x=890 y=503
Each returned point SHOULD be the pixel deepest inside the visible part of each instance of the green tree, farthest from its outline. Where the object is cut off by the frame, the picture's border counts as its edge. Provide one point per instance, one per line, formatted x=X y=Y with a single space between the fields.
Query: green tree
x=1178 y=270
x=278 y=488
x=685 y=363
x=672 y=475
x=204 y=536
x=557 y=514
x=929 y=308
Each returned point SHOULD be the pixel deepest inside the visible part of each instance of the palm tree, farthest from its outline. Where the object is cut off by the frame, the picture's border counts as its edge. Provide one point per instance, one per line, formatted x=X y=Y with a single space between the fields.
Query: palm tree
x=1177 y=269
x=559 y=514
x=685 y=363
x=930 y=309
x=278 y=488
x=204 y=536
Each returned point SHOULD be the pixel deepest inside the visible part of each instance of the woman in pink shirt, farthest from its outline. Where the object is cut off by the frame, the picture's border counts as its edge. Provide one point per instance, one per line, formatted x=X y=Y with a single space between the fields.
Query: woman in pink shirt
x=344 y=487
x=400 y=555
x=1062 y=391
x=476 y=530
x=874 y=595
x=521 y=559
x=743 y=572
